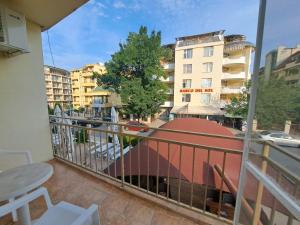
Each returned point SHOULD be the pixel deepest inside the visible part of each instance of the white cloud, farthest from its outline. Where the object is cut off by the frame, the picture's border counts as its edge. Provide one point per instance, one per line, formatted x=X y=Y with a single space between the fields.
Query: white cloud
x=119 y=5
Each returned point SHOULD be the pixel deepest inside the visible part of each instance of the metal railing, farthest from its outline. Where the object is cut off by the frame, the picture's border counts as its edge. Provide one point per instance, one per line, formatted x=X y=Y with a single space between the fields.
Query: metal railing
x=190 y=174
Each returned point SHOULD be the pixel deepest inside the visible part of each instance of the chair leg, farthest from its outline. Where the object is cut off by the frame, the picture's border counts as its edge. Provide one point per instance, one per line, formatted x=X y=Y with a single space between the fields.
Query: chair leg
x=14 y=213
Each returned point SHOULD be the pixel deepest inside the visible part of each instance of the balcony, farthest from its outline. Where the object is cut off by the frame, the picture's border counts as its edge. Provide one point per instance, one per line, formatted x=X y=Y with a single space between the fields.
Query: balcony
x=169 y=79
x=115 y=206
x=230 y=61
x=232 y=90
x=169 y=66
x=89 y=84
x=170 y=91
x=234 y=76
x=168 y=104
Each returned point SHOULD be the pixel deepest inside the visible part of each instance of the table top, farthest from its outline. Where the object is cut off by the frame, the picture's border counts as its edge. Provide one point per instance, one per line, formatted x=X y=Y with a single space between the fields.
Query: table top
x=20 y=180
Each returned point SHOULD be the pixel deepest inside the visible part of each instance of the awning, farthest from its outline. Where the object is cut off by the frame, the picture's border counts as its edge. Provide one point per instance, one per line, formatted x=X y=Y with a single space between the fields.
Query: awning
x=197 y=110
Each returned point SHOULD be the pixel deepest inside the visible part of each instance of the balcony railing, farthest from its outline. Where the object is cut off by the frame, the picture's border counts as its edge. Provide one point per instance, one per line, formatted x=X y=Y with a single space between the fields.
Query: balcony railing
x=169 y=66
x=178 y=172
x=232 y=76
x=168 y=79
x=232 y=90
x=168 y=104
x=231 y=61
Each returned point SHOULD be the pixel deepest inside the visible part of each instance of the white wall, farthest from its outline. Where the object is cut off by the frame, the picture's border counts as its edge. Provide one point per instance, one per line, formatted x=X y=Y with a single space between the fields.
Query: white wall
x=23 y=103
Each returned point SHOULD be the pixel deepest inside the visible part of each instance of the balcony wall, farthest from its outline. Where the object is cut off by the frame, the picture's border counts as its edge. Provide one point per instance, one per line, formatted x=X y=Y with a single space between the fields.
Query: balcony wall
x=23 y=115
x=233 y=76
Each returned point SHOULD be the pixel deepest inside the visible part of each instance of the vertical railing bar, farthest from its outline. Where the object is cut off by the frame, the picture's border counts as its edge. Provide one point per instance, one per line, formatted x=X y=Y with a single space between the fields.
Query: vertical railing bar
x=120 y=129
x=168 y=178
x=51 y=134
x=148 y=165
x=89 y=132
x=84 y=150
x=207 y=181
x=101 y=151
x=95 y=152
x=115 y=162
x=61 y=142
x=192 y=184
x=107 y=154
x=75 y=145
x=179 y=179
x=71 y=143
x=221 y=188
x=79 y=142
x=139 y=163
x=157 y=168
x=130 y=175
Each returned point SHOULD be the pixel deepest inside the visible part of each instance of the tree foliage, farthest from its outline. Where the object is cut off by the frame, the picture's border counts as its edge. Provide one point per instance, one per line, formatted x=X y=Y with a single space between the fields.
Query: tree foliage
x=276 y=102
x=135 y=71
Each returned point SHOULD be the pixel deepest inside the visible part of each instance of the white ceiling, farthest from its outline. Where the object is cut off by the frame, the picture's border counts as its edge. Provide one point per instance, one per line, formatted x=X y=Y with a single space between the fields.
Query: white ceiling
x=46 y=13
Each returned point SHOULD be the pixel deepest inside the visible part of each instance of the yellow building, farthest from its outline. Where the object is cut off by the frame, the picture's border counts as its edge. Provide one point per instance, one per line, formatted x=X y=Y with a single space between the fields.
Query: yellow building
x=208 y=70
x=58 y=86
x=83 y=84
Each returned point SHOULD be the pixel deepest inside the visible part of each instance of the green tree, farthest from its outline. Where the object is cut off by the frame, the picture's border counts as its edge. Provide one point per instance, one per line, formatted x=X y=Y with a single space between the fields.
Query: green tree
x=277 y=101
x=135 y=71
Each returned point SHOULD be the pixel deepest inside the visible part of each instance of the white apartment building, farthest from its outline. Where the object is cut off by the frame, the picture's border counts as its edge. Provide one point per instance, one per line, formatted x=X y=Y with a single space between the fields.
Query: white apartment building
x=208 y=70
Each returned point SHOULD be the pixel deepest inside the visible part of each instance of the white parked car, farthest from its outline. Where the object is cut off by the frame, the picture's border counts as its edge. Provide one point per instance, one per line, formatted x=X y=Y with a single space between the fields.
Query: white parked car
x=279 y=138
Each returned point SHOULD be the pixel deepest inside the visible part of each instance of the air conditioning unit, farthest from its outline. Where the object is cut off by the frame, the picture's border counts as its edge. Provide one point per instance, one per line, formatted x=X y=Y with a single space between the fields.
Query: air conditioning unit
x=13 y=32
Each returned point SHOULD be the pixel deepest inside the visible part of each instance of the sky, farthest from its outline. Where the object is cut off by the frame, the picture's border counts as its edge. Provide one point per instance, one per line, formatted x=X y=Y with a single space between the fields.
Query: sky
x=93 y=32
x=281 y=25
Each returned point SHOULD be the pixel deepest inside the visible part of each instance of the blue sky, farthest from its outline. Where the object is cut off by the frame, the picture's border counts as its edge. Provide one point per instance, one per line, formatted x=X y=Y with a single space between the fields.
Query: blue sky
x=93 y=32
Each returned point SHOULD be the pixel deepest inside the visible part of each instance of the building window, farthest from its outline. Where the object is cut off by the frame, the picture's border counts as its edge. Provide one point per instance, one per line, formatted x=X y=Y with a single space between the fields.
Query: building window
x=186 y=83
x=187 y=68
x=205 y=98
x=207 y=67
x=186 y=97
x=208 y=51
x=206 y=82
x=188 y=53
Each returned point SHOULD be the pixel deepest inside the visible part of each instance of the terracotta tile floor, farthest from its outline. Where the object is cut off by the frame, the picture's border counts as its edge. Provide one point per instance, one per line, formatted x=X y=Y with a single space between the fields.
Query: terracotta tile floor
x=116 y=206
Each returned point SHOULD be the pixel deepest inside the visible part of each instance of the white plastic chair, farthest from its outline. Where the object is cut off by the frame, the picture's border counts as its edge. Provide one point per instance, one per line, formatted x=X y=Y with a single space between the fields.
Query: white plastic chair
x=61 y=214
x=28 y=157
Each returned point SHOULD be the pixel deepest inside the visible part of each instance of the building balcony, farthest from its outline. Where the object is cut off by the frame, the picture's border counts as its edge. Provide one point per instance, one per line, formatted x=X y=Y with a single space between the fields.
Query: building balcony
x=232 y=90
x=169 y=66
x=170 y=91
x=230 y=61
x=234 y=76
x=168 y=104
x=89 y=84
x=169 y=79
x=115 y=206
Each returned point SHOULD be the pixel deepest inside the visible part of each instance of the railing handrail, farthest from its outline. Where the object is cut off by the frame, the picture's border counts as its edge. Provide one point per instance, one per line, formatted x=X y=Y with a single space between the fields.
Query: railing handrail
x=153 y=128
x=228 y=150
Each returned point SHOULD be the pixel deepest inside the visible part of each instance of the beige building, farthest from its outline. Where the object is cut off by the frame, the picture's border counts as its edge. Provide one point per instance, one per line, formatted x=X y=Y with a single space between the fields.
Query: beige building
x=283 y=61
x=58 y=86
x=208 y=70
x=24 y=117
x=83 y=84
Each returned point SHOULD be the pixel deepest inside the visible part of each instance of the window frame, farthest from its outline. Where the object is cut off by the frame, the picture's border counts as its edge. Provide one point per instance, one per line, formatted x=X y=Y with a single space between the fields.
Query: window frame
x=186 y=53
x=186 y=70
x=183 y=97
x=210 y=52
x=184 y=82
x=206 y=67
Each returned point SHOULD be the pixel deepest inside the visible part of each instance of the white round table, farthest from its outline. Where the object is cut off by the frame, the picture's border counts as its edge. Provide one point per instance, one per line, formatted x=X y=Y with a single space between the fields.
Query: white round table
x=21 y=180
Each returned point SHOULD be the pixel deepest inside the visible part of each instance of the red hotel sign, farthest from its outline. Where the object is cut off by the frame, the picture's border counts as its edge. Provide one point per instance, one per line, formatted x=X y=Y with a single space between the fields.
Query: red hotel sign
x=196 y=90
